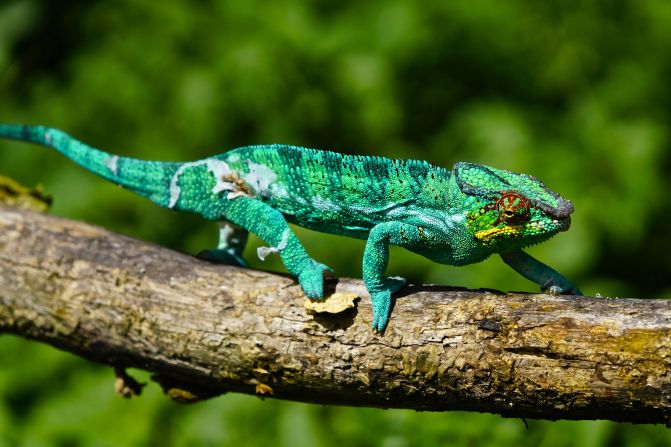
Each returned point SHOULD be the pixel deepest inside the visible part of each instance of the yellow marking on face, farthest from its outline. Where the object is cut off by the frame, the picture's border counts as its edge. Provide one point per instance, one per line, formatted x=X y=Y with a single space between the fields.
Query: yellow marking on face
x=486 y=235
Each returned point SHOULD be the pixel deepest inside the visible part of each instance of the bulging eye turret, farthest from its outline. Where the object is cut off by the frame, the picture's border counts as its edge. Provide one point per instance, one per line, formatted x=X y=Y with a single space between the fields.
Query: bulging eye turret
x=512 y=208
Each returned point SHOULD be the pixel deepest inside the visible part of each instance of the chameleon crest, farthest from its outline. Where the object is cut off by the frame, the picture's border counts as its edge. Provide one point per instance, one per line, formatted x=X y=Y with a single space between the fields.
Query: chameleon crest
x=454 y=217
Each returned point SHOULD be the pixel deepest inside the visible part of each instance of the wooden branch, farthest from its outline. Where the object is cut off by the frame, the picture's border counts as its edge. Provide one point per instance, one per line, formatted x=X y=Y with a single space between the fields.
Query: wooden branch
x=206 y=329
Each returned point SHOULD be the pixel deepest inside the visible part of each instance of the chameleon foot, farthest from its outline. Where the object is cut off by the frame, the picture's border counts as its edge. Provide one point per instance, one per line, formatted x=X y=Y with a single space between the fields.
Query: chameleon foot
x=563 y=288
x=381 y=300
x=311 y=280
x=218 y=256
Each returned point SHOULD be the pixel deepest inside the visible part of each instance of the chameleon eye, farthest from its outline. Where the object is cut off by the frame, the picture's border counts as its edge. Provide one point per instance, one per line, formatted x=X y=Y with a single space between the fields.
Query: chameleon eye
x=512 y=208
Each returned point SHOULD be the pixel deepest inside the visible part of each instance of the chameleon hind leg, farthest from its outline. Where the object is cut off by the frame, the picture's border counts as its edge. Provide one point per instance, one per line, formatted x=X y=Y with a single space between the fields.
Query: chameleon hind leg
x=270 y=225
x=232 y=241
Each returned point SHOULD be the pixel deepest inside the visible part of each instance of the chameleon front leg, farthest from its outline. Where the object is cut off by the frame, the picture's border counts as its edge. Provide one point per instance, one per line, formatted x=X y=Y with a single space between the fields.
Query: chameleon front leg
x=270 y=225
x=531 y=268
x=375 y=259
x=232 y=240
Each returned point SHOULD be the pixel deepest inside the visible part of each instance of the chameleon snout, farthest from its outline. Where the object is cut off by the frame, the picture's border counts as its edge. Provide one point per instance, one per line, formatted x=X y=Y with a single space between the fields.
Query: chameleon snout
x=564 y=224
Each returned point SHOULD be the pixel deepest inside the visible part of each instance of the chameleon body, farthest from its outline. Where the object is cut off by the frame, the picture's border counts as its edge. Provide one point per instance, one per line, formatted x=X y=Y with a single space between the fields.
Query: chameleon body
x=455 y=217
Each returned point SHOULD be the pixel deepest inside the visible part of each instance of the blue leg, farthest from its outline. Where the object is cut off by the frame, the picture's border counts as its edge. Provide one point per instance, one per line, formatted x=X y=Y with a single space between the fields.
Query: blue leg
x=545 y=276
x=259 y=218
x=232 y=240
x=375 y=259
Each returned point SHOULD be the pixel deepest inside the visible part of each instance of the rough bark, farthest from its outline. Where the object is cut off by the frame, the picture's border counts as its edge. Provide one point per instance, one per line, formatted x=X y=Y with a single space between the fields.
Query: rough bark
x=205 y=329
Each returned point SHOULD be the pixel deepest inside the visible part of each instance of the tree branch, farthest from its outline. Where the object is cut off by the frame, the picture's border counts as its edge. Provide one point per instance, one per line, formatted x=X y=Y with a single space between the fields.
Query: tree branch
x=205 y=329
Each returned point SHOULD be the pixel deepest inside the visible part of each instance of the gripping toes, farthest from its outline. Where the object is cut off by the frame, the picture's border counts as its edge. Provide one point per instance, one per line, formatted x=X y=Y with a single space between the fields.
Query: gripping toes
x=381 y=300
x=561 y=287
x=381 y=308
x=311 y=280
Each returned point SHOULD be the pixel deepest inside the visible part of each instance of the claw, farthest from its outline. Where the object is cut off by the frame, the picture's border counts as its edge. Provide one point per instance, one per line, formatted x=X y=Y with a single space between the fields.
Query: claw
x=381 y=309
x=554 y=290
x=312 y=280
x=564 y=288
x=381 y=300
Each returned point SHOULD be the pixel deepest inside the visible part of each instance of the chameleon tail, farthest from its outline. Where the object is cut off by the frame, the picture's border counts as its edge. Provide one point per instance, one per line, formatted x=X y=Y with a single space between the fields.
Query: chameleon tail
x=147 y=178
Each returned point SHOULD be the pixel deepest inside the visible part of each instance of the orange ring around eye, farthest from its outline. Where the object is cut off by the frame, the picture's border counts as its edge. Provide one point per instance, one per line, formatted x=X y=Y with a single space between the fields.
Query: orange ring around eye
x=512 y=207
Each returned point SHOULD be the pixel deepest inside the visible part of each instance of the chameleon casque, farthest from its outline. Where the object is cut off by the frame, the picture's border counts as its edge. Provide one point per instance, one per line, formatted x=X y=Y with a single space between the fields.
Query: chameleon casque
x=455 y=217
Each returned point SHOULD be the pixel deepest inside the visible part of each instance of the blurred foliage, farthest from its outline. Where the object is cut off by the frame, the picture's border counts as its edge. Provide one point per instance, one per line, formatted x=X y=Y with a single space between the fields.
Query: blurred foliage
x=575 y=94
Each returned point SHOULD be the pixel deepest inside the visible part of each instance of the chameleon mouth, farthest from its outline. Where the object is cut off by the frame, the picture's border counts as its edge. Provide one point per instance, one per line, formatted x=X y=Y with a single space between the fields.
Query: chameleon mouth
x=487 y=235
x=555 y=225
x=517 y=230
x=563 y=224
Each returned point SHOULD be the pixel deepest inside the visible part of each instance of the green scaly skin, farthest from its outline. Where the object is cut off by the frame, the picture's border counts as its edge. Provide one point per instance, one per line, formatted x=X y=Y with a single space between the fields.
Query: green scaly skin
x=455 y=217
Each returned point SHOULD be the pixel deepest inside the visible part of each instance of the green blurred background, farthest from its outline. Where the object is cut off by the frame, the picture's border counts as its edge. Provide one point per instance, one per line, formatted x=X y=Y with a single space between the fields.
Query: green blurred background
x=575 y=93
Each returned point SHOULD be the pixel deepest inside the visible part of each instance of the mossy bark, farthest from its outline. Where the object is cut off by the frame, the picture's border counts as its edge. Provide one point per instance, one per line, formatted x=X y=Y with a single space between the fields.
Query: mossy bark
x=205 y=329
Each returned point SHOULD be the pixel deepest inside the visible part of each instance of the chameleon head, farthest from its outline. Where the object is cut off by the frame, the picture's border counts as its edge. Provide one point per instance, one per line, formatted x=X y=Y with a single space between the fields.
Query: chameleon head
x=507 y=210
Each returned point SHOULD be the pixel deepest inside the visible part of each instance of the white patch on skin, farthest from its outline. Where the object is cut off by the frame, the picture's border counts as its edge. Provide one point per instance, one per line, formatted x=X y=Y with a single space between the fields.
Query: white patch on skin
x=219 y=170
x=322 y=204
x=263 y=252
x=229 y=235
x=226 y=235
x=458 y=218
x=233 y=158
x=233 y=195
x=225 y=231
x=432 y=221
x=259 y=178
x=443 y=224
x=111 y=164
x=389 y=209
x=279 y=190
x=175 y=190
x=284 y=241
x=263 y=181
x=361 y=209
